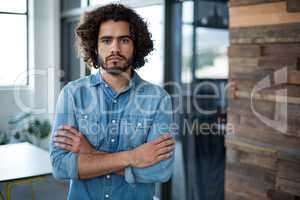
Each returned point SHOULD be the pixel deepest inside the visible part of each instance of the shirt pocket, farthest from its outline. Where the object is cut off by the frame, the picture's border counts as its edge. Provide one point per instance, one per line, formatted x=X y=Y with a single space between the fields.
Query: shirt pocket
x=134 y=130
x=89 y=126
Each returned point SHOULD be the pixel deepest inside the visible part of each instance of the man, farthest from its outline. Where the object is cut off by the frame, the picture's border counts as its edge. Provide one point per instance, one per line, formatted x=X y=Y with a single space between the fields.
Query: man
x=112 y=135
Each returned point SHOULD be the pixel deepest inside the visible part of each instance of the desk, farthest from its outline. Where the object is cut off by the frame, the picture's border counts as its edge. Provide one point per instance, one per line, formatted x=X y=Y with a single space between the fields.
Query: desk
x=22 y=163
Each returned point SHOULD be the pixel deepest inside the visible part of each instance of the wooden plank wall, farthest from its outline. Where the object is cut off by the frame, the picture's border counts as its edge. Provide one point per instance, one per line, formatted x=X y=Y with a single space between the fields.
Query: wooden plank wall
x=262 y=162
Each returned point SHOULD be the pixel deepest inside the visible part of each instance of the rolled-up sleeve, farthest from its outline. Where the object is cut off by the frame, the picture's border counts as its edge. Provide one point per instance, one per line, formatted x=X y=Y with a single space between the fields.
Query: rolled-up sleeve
x=64 y=163
x=161 y=171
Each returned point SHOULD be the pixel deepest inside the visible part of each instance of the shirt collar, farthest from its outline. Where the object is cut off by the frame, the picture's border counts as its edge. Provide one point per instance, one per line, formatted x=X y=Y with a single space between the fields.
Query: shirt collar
x=96 y=79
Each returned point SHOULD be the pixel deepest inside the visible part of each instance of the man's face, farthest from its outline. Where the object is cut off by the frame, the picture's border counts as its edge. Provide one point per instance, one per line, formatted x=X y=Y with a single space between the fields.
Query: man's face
x=115 y=47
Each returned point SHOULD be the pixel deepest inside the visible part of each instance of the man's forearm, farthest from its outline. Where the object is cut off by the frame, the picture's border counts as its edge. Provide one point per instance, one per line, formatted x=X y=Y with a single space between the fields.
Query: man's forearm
x=91 y=163
x=100 y=163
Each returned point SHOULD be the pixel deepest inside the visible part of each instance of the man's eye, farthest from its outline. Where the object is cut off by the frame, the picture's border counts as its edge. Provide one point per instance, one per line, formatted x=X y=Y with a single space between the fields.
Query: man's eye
x=105 y=41
x=125 y=40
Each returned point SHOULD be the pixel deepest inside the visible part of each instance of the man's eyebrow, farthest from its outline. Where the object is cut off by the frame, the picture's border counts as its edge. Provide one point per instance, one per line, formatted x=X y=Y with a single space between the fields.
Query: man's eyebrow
x=125 y=36
x=105 y=37
x=110 y=37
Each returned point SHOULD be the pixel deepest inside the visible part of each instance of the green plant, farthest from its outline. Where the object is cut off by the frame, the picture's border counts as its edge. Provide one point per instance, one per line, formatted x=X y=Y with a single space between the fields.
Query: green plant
x=3 y=138
x=24 y=127
x=39 y=129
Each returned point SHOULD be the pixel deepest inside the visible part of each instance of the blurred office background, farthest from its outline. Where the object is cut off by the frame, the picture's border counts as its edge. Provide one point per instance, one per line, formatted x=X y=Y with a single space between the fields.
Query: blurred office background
x=192 y=50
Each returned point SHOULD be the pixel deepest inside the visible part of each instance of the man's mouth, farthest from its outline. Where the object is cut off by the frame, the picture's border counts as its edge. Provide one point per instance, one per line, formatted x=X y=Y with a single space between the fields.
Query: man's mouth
x=114 y=59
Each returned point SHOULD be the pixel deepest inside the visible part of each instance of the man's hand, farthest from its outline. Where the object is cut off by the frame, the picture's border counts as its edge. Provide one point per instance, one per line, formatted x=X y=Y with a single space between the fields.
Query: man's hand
x=120 y=173
x=68 y=138
x=152 y=152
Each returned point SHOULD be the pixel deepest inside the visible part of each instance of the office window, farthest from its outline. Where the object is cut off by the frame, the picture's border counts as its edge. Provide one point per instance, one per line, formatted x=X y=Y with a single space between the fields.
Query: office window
x=187 y=41
x=207 y=33
x=101 y=2
x=212 y=40
x=13 y=40
x=70 y=4
x=153 y=70
x=211 y=55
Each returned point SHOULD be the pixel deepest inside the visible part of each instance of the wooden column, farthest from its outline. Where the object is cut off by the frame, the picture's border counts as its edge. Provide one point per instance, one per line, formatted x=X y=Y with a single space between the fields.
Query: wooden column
x=263 y=162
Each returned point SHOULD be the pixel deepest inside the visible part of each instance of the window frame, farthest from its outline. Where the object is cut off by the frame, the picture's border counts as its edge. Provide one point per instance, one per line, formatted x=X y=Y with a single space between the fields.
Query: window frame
x=27 y=47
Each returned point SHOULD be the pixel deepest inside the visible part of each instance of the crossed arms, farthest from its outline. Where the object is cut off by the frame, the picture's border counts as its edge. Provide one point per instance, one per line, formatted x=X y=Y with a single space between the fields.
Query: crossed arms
x=92 y=163
x=72 y=157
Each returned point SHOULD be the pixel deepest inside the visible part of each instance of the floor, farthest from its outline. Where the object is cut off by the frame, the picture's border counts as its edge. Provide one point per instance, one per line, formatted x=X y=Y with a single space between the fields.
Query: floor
x=48 y=189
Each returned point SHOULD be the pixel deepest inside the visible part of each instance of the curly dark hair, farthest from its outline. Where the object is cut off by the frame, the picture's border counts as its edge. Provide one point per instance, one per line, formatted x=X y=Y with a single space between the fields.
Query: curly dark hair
x=88 y=28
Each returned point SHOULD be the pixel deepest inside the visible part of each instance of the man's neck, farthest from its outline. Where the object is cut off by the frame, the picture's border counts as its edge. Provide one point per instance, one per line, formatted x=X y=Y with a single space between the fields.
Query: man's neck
x=117 y=82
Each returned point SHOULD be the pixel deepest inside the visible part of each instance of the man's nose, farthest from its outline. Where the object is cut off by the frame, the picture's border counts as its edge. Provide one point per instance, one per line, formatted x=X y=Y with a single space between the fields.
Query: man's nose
x=115 y=47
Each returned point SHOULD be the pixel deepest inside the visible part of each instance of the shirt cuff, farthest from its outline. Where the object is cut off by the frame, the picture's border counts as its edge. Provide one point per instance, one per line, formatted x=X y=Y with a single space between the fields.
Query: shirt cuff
x=72 y=166
x=129 y=177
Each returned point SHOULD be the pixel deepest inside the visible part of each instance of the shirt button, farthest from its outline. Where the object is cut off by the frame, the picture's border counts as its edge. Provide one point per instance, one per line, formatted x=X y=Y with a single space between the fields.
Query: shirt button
x=105 y=85
x=115 y=101
x=139 y=125
x=107 y=196
x=108 y=176
x=112 y=140
x=113 y=121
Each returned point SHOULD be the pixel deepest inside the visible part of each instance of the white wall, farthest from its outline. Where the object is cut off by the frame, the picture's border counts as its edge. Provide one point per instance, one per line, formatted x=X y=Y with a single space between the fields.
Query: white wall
x=44 y=52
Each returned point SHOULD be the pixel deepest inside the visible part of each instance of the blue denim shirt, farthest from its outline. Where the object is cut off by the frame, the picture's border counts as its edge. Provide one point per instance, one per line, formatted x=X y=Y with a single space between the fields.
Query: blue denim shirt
x=113 y=122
